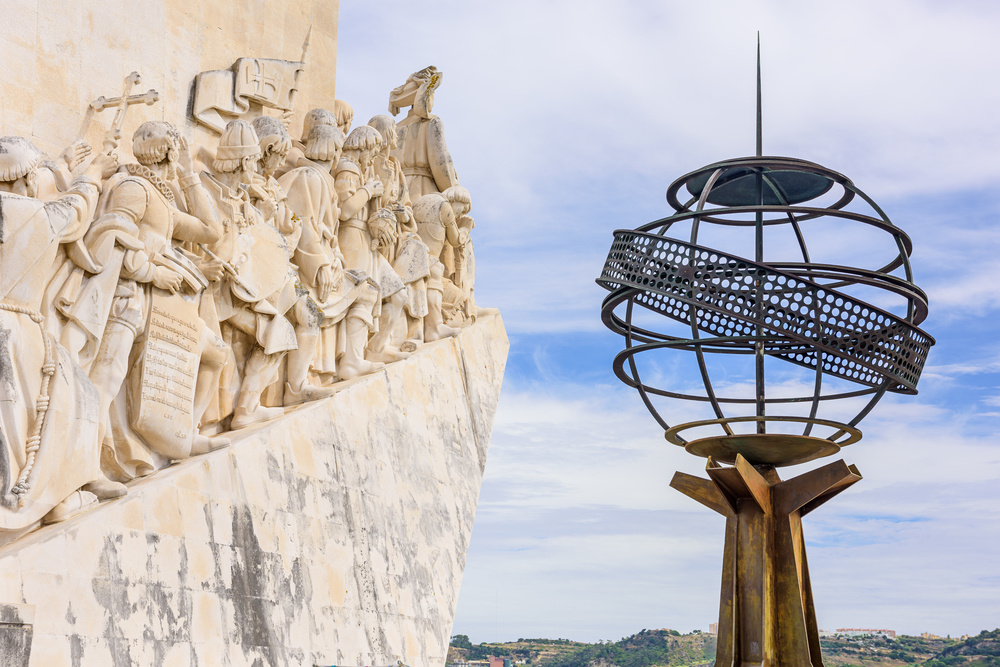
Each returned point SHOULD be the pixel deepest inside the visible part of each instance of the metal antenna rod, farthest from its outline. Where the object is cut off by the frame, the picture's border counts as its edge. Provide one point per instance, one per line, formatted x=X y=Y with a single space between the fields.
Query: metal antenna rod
x=759 y=256
x=760 y=134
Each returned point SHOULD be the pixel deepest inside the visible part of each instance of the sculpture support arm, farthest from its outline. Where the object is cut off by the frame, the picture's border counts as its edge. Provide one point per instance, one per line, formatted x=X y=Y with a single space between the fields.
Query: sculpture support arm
x=810 y=490
x=704 y=491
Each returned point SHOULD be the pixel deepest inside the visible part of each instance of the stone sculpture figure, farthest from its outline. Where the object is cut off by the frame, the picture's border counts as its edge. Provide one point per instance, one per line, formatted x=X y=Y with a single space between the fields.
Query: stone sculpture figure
x=463 y=275
x=345 y=116
x=437 y=226
x=361 y=231
x=312 y=194
x=409 y=257
x=254 y=258
x=292 y=300
x=50 y=454
x=313 y=118
x=422 y=150
x=56 y=176
x=158 y=364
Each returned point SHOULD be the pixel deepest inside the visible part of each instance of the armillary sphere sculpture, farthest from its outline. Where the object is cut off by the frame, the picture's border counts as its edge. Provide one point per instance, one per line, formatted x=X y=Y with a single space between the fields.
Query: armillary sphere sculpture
x=785 y=308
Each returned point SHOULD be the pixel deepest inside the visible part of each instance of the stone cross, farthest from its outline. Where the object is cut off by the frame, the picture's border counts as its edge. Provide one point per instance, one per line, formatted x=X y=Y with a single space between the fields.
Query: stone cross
x=123 y=103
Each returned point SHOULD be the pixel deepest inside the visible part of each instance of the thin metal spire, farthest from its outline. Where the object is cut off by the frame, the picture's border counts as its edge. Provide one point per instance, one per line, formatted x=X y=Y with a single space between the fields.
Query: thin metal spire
x=760 y=139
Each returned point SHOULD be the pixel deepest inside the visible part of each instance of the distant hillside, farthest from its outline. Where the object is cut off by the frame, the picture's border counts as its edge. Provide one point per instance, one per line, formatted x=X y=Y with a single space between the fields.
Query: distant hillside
x=669 y=648
x=983 y=650
x=648 y=648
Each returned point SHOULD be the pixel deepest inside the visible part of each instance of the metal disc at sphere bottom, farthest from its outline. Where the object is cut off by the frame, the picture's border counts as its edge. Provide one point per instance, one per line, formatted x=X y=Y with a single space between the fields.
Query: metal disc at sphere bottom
x=776 y=449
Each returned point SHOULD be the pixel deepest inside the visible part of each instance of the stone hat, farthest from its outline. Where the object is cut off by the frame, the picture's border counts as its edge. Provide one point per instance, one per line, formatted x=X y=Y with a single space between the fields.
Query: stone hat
x=152 y=140
x=419 y=84
x=324 y=142
x=18 y=156
x=238 y=141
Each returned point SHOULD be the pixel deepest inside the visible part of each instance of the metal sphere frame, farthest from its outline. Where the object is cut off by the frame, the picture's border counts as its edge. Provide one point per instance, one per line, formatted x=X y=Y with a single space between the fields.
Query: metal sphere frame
x=796 y=311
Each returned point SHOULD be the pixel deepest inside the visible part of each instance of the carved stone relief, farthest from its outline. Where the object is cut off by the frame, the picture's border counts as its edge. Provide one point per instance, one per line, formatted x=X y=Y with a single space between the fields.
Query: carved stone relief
x=147 y=309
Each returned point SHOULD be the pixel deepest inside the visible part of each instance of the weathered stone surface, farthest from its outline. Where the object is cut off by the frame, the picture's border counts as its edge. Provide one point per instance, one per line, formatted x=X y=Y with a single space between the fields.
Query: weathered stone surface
x=15 y=634
x=336 y=534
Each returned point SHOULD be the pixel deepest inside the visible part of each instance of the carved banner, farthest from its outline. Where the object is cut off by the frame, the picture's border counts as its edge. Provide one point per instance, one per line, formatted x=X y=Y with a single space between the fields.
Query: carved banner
x=168 y=372
x=221 y=95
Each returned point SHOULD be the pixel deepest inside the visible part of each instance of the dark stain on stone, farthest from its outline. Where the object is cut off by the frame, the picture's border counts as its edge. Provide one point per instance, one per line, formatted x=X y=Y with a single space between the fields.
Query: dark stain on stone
x=6 y=364
x=250 y=576
x=113 y=596
x=7 y=499
x=15 y=644
x=121 y=652
x=3 y=222
x=76 y=650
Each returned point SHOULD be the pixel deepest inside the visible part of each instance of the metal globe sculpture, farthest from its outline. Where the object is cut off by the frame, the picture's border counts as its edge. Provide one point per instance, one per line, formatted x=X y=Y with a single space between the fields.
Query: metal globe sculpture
x=795 y=310
x=738 y=281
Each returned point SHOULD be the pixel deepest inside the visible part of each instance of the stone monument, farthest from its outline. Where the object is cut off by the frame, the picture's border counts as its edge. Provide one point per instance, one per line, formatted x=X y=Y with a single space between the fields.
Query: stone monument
x=240 y=428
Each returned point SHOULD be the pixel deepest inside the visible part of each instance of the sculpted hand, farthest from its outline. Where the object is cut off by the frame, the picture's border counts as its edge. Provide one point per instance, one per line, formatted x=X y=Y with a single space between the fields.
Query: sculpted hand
x=166 y=279
x=374 y=186
x=324 y=282
x=268 y=208
x=75 y=154
x=102 y=167
x=213 y=270
x=389 y=237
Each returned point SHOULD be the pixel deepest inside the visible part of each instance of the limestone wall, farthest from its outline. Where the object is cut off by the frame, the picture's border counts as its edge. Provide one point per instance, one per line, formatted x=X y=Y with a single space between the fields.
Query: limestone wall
x=59 y=56
x=336 y=534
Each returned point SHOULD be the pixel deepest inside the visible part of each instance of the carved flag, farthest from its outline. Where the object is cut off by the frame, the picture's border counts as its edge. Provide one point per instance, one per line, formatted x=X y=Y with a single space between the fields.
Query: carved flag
x=224 y=94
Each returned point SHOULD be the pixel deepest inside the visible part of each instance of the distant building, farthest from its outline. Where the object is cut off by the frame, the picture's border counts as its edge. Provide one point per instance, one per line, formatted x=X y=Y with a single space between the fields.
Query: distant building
x=928 y=635
x=867 y=632
x=713 y=628
x=498 y=661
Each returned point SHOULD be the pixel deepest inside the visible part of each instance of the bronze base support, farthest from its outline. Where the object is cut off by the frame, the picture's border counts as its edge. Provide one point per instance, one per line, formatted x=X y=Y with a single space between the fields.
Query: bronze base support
x=766 y=612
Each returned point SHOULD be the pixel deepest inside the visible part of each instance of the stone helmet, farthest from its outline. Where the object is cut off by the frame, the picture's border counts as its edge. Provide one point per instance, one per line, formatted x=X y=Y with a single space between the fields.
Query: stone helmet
x=238 y=142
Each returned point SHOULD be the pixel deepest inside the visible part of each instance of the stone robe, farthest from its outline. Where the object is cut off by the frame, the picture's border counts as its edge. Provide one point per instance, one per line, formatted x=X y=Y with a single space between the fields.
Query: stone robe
x=311 y=195
x=68 y=454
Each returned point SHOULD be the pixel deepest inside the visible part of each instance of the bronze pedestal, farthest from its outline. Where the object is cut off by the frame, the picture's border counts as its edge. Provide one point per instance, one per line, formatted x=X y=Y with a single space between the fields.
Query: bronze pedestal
x=766 y=613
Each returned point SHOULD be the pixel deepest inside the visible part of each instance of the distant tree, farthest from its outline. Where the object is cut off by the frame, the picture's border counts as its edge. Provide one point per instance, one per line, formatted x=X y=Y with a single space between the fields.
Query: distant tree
x=461 y=641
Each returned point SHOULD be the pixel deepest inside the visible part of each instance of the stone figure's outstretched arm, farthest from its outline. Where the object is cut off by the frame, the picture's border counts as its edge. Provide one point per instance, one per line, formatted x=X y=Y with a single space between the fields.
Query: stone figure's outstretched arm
x=72 y=213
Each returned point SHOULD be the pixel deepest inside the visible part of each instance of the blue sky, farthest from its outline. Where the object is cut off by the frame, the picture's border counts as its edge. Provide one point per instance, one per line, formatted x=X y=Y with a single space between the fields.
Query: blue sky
x=568 y=120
